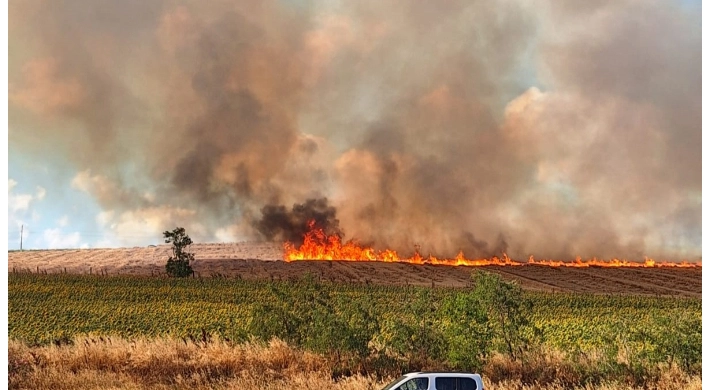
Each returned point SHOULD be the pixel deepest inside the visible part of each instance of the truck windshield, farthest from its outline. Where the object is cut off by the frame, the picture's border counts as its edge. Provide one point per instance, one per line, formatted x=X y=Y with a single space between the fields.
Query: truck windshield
x=391 y=385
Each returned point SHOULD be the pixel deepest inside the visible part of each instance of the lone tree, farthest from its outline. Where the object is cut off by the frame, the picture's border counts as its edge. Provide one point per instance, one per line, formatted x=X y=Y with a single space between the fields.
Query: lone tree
x=179 y=263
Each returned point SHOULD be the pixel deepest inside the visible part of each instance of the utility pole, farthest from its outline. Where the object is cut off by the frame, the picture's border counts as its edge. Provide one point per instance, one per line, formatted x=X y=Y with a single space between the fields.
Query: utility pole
x=22 y=229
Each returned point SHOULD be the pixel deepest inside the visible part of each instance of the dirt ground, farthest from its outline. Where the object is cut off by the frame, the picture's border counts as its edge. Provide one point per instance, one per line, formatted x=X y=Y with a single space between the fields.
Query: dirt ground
x=262 y=261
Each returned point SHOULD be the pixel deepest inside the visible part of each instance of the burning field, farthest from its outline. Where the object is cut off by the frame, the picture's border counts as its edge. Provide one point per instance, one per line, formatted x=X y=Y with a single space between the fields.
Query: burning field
x=329 y=258
x=317 y=245
x=473 y=126
x=319 y=249
x=368 y=157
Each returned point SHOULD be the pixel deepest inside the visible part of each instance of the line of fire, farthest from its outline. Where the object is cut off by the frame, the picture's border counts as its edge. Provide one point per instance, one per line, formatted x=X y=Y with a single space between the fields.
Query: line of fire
x=317 y=245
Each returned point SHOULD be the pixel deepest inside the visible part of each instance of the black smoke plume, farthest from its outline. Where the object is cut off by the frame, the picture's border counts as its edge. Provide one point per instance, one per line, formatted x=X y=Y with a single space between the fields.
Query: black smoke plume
x=278 y=223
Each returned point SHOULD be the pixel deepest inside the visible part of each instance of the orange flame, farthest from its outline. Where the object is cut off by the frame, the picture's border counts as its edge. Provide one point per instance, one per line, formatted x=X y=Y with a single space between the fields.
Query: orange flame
x=319 y=246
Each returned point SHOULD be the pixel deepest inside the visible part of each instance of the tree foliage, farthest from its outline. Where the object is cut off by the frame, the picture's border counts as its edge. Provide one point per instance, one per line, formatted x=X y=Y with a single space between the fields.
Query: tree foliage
x=413 y=336
x=467 y=331
x=309 y=316
x=178 y=264
x=492 y=316
x=507 y=310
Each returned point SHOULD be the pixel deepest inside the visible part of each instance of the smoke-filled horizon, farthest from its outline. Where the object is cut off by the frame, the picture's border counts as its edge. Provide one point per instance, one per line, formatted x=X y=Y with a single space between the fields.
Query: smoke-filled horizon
x=537 y=128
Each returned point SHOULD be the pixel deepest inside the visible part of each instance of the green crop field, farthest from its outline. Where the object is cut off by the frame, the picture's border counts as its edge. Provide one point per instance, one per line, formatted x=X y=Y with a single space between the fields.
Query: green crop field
x=319 y=316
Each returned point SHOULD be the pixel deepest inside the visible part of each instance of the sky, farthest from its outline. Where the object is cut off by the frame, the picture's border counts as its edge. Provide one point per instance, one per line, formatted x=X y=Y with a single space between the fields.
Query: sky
x=535 y=128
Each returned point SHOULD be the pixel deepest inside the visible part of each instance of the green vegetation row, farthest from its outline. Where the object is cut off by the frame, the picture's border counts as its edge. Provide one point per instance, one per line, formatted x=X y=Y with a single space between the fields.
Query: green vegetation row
x=368 y=327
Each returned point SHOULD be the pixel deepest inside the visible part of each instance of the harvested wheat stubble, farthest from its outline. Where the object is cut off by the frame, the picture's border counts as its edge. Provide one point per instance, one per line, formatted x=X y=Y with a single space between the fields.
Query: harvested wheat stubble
x=257 y=260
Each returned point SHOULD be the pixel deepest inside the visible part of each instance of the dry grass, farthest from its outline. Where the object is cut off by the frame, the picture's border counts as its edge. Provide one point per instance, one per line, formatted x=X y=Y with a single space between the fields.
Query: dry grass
x=104 y=363
x=693 y=383
x=112 y=363
x=557 y=371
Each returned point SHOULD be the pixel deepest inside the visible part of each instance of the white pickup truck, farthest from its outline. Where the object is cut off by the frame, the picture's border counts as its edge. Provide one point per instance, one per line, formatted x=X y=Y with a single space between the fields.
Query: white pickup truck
x=437 y=381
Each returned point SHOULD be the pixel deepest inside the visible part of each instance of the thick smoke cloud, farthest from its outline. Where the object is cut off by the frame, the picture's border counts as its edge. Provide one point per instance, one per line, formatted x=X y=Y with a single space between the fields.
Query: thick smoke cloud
x=540 y=128
x=279 y=223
